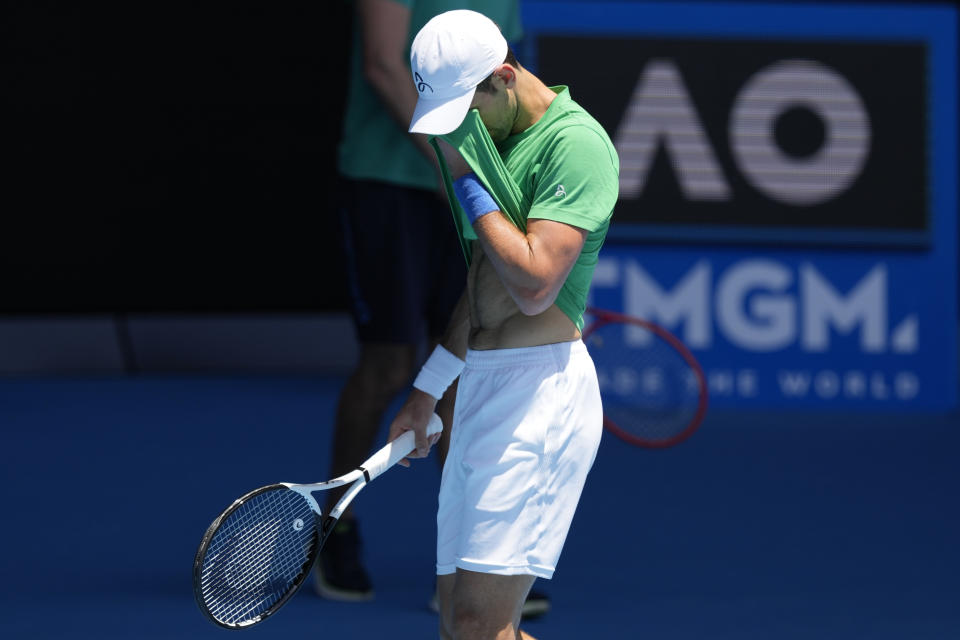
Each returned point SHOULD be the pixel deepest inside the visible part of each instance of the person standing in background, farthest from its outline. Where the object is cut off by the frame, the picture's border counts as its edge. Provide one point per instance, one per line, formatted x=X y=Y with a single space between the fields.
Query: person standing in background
x=405 y=268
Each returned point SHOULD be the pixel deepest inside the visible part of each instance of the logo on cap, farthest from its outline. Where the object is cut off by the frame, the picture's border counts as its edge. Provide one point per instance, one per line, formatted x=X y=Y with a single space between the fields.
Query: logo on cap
x=421 y=85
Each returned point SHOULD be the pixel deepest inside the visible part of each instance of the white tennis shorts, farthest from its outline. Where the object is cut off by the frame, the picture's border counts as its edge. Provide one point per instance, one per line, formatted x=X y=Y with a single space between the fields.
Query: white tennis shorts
x=526 y=429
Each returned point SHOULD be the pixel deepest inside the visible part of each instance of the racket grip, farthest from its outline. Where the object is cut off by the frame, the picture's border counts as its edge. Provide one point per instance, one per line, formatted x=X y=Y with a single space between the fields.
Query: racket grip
x=397 y=450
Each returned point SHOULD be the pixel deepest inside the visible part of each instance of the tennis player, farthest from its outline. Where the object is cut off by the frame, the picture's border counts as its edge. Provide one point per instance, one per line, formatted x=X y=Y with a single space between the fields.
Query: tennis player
x=532 y=180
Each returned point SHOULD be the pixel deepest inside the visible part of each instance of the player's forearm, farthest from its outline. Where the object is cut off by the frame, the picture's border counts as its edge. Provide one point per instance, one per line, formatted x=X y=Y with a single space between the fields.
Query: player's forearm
x=531 y=274
x=445 y=363
x=532 y=265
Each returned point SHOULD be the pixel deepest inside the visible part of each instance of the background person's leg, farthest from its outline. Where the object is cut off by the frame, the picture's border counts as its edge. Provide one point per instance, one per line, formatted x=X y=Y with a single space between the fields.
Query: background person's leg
x=383 y=371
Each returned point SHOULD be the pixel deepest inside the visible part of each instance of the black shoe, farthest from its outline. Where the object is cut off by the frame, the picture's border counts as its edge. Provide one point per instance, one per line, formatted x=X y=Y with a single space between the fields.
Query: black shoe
x=534 y=606
x=338 y=574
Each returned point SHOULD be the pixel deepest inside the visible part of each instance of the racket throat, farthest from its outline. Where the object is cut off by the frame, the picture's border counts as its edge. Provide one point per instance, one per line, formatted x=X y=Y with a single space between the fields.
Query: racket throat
x=329 y=523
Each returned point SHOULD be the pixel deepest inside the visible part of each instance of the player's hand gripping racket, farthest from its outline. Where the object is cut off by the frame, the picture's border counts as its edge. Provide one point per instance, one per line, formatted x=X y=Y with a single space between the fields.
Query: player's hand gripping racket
x=257 y=553
x=653 y=389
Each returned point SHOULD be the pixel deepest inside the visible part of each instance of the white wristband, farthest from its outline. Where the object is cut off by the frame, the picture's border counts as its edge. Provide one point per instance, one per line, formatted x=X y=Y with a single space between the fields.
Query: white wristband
x=438 y=372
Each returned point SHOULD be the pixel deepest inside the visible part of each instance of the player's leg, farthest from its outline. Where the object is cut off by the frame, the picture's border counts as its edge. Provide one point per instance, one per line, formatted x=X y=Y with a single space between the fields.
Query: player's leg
x=485 y=606
x=444 y=602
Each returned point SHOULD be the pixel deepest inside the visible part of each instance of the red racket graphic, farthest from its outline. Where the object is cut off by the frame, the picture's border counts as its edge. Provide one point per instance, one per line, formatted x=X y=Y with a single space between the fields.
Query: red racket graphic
x=654 y=390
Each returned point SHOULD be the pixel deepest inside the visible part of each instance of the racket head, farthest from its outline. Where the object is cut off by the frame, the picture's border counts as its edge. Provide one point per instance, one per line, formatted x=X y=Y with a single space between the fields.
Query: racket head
x=256 y=555
x=653 y=388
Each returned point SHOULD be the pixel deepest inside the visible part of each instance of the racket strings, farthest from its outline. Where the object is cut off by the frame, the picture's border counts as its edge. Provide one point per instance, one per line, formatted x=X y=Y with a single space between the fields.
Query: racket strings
x=648 y=388
x=256 y=542
x=237 y=587
x=257 y=555
x=253 y=587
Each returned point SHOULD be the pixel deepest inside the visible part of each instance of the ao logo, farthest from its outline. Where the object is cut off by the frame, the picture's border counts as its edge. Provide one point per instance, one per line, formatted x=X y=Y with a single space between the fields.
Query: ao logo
x=661 y=113
x=762 y=305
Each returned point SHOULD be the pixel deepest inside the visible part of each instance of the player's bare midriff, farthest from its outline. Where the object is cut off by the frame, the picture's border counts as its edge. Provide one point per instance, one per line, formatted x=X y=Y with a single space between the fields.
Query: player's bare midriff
x=496 y=321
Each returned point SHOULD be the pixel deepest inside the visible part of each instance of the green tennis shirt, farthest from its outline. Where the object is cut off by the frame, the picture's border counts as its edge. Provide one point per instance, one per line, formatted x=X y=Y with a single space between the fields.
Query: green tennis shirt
x=563 y=168
x=373 y=146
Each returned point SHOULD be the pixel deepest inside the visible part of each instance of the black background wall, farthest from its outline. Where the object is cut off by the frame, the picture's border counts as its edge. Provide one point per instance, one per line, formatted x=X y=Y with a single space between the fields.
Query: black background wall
x=171 y=156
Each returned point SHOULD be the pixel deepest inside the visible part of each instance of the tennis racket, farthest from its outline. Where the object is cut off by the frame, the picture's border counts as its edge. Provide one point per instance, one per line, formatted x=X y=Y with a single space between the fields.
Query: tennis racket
x=653 y=389
x=257 y=553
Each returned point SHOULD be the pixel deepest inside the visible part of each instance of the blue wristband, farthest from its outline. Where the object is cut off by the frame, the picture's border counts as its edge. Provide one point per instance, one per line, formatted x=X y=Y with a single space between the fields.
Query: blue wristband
x=474 y=197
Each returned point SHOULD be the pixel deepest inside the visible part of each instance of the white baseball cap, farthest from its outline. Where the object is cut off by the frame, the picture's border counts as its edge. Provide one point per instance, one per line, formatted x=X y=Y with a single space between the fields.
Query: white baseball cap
x=453 y=53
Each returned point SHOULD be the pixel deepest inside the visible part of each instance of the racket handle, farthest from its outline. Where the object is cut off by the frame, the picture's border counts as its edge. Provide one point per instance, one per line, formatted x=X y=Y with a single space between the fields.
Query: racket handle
x=397 y=450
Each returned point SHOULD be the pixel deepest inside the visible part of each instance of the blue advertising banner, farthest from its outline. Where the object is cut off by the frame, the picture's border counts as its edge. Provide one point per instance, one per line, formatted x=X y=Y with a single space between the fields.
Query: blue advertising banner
x=792 y=328
x=788 y=199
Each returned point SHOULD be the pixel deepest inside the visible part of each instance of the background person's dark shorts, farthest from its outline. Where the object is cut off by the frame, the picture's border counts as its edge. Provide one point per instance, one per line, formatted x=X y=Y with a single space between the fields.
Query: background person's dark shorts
x=405 y=267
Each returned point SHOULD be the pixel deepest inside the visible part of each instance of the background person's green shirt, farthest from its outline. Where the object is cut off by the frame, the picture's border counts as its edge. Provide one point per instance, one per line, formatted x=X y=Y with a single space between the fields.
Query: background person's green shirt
x=373 y=146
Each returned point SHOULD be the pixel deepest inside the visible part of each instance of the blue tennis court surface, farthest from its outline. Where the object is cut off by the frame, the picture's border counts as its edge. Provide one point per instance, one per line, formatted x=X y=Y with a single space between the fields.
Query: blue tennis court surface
x=761 y=526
